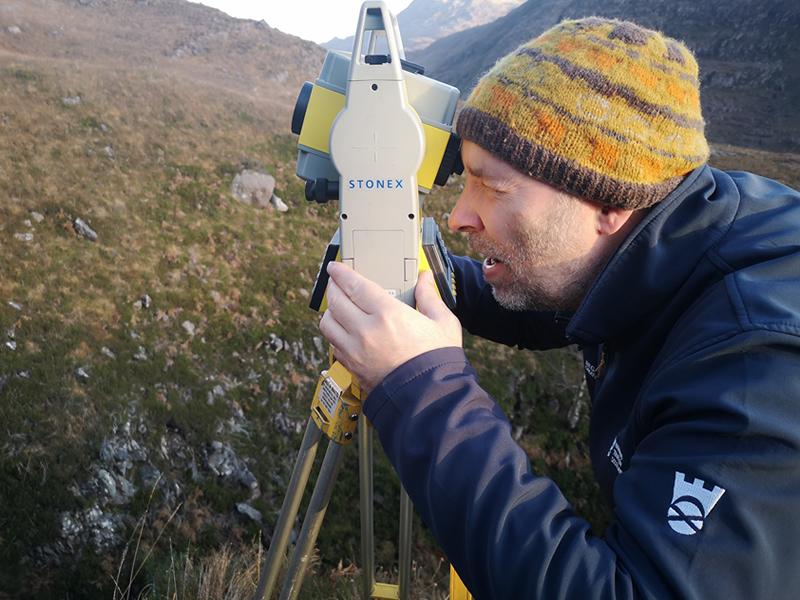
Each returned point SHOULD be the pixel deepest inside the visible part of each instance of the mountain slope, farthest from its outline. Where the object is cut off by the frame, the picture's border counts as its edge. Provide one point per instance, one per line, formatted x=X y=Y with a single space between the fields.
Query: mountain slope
x=425 y=21
x=748 y=57
x=169 y=38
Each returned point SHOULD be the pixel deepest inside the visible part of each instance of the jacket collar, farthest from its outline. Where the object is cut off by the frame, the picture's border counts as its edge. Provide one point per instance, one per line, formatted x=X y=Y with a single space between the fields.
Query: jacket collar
x=655 y=260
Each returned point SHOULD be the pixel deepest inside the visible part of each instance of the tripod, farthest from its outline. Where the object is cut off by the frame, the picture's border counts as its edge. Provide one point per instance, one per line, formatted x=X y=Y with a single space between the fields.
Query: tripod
x=364 y=142
x=335 y=391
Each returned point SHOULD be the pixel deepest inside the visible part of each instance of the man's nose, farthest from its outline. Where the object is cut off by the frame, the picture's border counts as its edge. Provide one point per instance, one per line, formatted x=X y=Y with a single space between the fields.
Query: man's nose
x=464 y=217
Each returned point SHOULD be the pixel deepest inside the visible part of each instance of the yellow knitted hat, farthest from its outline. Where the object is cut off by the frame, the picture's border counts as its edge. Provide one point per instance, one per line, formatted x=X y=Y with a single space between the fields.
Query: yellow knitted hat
x=605 y=110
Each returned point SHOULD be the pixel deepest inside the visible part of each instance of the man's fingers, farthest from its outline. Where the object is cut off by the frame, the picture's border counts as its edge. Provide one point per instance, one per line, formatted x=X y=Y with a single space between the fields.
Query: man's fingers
x=365 y=294
x=427 y=296
x=342 y=308
x=333 y=331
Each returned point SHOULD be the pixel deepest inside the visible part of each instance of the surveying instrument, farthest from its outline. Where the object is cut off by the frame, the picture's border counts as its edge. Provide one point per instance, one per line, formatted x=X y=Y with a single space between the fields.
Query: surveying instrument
x=374 y=132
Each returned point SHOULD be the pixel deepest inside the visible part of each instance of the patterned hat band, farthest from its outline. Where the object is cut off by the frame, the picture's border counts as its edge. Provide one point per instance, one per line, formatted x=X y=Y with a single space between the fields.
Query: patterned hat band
x=601 y=109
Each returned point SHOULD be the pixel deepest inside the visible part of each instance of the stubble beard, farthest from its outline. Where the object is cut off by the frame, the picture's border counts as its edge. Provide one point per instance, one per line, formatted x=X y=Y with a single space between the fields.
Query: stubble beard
x=540 y=278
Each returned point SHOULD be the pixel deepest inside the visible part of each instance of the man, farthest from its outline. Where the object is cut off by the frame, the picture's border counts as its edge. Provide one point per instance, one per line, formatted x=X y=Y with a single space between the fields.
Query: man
x=601 y=225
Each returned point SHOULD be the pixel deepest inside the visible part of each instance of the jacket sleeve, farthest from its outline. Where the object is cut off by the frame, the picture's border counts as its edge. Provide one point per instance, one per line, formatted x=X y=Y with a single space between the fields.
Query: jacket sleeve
x=723 y=417
x=481 y=315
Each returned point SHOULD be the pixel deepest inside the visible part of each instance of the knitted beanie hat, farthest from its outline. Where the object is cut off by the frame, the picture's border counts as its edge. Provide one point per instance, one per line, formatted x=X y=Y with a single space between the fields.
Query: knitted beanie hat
x=604 y=110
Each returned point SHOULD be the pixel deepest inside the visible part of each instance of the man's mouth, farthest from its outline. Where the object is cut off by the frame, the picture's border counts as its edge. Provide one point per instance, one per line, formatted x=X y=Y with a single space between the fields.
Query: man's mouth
x=493 y=269
x=490 y=262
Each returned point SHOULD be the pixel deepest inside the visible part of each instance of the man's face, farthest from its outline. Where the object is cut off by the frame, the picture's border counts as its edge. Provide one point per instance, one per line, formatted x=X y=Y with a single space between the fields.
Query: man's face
x=538 y=244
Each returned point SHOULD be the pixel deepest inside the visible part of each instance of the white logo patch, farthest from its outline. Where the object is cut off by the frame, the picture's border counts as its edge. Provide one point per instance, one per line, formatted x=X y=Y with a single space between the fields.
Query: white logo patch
x=691 y=503
x=591 y=370
x=615 y=455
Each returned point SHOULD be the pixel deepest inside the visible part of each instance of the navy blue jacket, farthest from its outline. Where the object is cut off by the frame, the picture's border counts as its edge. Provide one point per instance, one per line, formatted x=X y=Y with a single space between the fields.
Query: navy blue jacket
x=691 y=340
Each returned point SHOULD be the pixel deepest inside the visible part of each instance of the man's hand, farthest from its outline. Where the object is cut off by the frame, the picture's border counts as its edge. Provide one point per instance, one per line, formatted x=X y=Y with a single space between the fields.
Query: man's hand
x=373 y=333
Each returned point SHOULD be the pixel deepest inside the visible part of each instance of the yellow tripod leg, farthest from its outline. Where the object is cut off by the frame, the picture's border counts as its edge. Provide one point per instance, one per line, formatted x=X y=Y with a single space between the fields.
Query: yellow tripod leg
x=458 y=591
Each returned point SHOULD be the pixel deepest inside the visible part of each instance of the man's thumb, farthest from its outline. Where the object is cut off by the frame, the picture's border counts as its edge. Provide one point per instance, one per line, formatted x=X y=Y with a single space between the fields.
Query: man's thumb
x=429 y=303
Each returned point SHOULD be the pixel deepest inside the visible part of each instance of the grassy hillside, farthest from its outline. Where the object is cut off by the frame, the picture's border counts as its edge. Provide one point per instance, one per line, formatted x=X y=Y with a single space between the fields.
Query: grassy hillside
x=154 y=379
x=87 y=367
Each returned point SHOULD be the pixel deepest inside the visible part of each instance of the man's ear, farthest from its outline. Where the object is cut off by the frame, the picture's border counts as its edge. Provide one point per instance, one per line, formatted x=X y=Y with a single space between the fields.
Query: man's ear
x=611 y=220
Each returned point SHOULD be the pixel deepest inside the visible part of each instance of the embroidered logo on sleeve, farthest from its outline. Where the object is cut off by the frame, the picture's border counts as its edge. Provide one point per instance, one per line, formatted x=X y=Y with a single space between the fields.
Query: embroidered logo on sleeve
x=615 y=455
x=691 y=503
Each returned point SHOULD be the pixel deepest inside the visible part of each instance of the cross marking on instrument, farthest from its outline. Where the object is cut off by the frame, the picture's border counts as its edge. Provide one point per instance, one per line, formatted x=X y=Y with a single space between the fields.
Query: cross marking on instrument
x=374 y=147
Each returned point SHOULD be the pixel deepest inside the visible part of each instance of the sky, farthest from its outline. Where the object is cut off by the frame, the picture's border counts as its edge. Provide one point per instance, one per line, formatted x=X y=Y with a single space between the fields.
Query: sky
x=316 y=20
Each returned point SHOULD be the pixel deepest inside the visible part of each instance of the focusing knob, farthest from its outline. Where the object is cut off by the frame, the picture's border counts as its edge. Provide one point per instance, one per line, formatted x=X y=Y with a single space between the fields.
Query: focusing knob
x=321 y=190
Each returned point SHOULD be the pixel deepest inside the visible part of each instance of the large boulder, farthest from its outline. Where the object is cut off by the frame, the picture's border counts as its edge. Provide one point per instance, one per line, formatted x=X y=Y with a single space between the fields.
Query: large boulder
x=254 y=188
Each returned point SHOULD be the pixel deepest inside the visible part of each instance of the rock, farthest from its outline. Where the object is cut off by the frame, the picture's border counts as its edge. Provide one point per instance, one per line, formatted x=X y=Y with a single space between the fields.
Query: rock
x=83 y=229
x=188 y=327
x=38 y=217
x=249 y=512
x=11 y=345
x=141 y=354
x=149 y=476
x=14 y=30
x=278 y=204
x=144 y=302
x=91 y=527
x=115 y=488
x=24 y=237
x=253 y=187
x=71 y=100
x=276 y=343
x=172 y=446
x=319 y=345
x=81 y=374
x=109 y=152
x=217 y=392
x=574 y=415
x=299 y=352
x=15 y=305
x=121 y=451
x=237 y=424
x=286 y=425
x=70 y=526
x=223 y=462
x=27 y=223
x=107 y=353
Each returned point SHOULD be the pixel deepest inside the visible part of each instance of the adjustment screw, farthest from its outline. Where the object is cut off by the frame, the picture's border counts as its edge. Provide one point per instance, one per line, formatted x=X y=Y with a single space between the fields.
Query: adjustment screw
x=348 y=436
x=354 y=417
